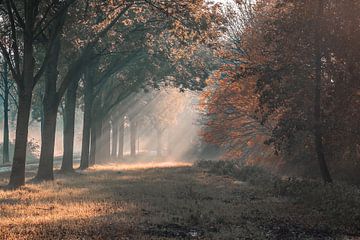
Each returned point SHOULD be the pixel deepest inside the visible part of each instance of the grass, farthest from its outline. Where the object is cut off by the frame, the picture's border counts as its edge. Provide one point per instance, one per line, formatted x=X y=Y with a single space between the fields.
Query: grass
x=155 y=201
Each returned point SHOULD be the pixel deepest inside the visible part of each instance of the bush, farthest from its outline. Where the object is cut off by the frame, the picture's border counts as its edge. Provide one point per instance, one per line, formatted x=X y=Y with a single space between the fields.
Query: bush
x=32 y=151
x=252 y=174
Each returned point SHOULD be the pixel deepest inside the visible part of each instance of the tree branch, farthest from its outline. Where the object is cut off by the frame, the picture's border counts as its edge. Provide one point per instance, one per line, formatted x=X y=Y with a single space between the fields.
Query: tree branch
x=8 y=60
x=14 y=39
x=20 y=20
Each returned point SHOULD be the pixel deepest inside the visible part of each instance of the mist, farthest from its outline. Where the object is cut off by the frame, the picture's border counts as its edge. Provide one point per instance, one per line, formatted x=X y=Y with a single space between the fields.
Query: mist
x=191 y=119
x=161 y=124
x=169 y=111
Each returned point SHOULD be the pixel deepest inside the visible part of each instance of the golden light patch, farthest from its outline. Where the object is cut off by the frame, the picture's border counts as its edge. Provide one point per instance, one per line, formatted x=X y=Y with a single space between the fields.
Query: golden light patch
x=136 y=166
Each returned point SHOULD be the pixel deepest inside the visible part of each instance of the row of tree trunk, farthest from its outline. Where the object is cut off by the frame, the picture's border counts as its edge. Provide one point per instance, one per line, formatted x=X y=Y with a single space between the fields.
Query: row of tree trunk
x=97 y=131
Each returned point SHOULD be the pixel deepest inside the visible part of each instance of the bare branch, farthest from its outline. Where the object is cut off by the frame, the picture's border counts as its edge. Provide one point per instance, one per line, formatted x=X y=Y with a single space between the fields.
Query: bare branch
x=14 y=39
x=58 y=13
x=18 y=17
x=8 y=59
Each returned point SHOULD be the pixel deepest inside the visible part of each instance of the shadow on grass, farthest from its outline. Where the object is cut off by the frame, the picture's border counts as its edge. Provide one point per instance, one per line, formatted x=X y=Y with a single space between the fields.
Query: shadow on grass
x=108 y=202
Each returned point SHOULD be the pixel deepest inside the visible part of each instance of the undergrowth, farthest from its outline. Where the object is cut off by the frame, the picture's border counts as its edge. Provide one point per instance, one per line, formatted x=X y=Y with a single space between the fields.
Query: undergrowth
x=338 y=203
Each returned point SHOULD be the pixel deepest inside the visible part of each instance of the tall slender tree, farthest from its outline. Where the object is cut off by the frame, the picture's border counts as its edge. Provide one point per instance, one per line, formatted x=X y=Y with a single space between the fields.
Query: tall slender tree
x=318 y=133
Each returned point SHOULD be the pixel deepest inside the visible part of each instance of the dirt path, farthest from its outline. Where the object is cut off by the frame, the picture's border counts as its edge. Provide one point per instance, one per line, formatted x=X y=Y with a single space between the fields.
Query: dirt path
x=122 y=202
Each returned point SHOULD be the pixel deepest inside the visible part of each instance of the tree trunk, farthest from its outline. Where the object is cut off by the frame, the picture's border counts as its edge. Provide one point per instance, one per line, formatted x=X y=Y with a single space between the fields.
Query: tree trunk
x=25 y=84
x=93 y=143
x=114 y=143
x=96 y=127
x=6 y=157
x=99 y=142
x=46 y=163
x=50 y=109
x=87 y=132
x=17 y=177
x=106 y=135
x=318 y=135
x=121 y=139
x=69 y=127
x=133 y=133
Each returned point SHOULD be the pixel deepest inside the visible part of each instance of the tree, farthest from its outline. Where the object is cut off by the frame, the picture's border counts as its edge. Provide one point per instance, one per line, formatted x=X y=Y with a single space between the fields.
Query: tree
x=54 y=95
x=88 y=105
x=162 y=109
x=7 y=95
x=317 y=102
x=288 y=61
x=288 y=79
x=69 y=127
x=24 y=24
x=229 y=103
x=146 y=29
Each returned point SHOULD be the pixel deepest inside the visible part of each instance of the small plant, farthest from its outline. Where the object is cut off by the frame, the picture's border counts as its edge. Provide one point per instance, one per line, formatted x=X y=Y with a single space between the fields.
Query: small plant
x=32 y=151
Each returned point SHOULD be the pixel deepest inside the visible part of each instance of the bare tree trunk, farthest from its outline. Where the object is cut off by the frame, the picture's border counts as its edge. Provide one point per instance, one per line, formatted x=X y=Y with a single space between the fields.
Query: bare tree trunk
x=121 y=138
x=6 y=157
x=17 y=177
x=95 y=133
x=45 y=171
x=99 y=141
x=106 y=135
x=87 y=132
x=133 y=133
x=319 y=147
x=69 y=127
x=93 y=144
x=50 y=109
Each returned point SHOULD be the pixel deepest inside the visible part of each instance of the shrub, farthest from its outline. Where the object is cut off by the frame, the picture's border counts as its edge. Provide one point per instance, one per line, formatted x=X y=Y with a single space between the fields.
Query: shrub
x=252 y=174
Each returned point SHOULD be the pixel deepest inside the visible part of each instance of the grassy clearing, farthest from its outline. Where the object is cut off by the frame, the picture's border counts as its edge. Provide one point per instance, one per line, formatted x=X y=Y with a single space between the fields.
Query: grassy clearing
x=169 y=202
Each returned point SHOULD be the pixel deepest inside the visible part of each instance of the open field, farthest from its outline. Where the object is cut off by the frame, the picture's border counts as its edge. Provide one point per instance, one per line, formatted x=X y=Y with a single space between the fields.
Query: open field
x=172 y=201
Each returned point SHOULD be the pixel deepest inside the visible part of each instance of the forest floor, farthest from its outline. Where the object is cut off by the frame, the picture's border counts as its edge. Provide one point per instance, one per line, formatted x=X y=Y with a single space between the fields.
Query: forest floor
x=171 y=201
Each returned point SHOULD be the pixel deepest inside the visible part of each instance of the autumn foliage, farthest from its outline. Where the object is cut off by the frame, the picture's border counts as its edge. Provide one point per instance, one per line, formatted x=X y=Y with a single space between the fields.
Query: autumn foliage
x=265 y=87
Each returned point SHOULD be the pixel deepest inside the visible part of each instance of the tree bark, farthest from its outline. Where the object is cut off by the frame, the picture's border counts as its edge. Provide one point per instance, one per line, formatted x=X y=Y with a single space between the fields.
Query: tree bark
x=17 y=177
x=87 y=131
x=6 y=157
x=133 y=133
x=46 y=163
x=93 y=144
x=318 y=135
x=121 y=139
x=96 y=127
x=114 y=142
x=106 y=135
x=99 y=141
x=50 y=109
x=69 y=127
